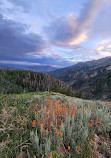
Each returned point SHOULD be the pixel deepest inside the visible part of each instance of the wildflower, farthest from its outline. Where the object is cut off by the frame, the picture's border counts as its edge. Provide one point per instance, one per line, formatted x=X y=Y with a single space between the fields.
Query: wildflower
x=56 y=122
x=55 y=102
x=33 y=123
x=61 y=134
x=60 y=126
x=96 y=124
x=83 y=111
x=56 y=129
x=68 y=147
x=50 y=155
x=51 y=102
x=64 y=111
x=36 y=105
x=73 y=112
x=52 y=112
x=92 y=121
x=90 y=124
x=57 y=132
x=79 y=148
x=43 y=125
x=51 y=137
x=51 y=124
x=99 y=119
x=44 y=106
x=50 y=131
x=59 y=119
x=39 y=123
x=43 y=131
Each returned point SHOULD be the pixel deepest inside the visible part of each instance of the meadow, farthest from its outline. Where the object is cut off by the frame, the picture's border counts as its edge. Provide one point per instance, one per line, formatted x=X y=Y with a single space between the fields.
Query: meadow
x=48 y=124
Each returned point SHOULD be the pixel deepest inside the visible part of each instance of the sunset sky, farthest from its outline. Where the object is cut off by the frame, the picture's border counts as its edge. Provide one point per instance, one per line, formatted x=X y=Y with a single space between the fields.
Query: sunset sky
x=54 y=32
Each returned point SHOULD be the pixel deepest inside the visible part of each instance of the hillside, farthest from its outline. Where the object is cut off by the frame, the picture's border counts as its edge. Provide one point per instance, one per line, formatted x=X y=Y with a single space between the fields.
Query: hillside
x=52 y=125
x=22 y=81
x=92 y=78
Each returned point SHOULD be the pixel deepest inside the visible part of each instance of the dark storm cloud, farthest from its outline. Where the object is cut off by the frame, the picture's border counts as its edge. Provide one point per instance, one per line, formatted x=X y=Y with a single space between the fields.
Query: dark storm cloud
x=24 y=4
x=71 y=30
x=15 y=42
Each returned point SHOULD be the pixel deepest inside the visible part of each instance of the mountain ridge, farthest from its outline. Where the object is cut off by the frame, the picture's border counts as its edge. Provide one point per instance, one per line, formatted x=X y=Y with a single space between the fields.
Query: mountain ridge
x=91 y=78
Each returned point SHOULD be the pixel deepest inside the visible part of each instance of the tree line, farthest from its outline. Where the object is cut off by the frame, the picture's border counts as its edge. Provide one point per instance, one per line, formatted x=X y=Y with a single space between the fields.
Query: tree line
x=23 y=81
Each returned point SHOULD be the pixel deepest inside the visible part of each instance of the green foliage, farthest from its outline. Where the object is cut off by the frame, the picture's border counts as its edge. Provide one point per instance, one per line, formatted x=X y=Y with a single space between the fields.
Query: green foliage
x=55 y=155
x=67 y=91
x=79 y=95
x=22 y=81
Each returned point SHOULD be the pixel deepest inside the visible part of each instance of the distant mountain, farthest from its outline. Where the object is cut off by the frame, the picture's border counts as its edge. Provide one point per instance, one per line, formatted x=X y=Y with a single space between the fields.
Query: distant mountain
x=36 y=68
x=43 y=69
x=21 y=81
x=92 y=78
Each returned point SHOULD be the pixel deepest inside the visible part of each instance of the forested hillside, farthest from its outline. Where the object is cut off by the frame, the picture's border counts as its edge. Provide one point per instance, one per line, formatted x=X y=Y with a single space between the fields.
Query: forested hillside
x=21 y=81
x=91 y=79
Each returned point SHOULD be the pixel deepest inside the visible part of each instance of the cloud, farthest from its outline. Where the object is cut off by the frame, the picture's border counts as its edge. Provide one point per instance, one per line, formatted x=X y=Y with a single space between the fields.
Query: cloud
x=100 y=48
x=16 y=42
x=24 y=4
x=71 y=30
x=104 y=53
x=109 y=46
x=24 y=63
x=104 y=49
x=102 y=26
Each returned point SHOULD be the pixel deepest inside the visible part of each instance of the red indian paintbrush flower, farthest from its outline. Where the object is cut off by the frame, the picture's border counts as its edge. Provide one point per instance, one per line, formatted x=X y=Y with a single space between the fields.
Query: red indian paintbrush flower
x=43 y=124
x=90 y=124
x=56 y=122
x=79 y=148
x=51 y=123
x=99 y=119
x=92 y=121
x=55 y=102
x=48 y=101
x=43 y=131
x=57 y=132
x=50 y=155
x=36 y=105
x=73 y=112
x=68 y=147
x=33 y=123
x=83 y=111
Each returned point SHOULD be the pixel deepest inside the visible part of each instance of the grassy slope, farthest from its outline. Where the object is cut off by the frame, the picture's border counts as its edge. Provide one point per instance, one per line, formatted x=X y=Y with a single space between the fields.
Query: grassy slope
x=18 y=111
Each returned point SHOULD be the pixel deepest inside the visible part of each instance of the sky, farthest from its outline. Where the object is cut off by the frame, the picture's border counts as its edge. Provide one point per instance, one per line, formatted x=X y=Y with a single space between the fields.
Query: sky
x=59 y=33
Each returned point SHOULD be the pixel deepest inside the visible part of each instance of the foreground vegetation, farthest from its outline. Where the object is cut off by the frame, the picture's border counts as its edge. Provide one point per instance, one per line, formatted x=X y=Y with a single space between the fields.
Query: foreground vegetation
x=38 y=125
